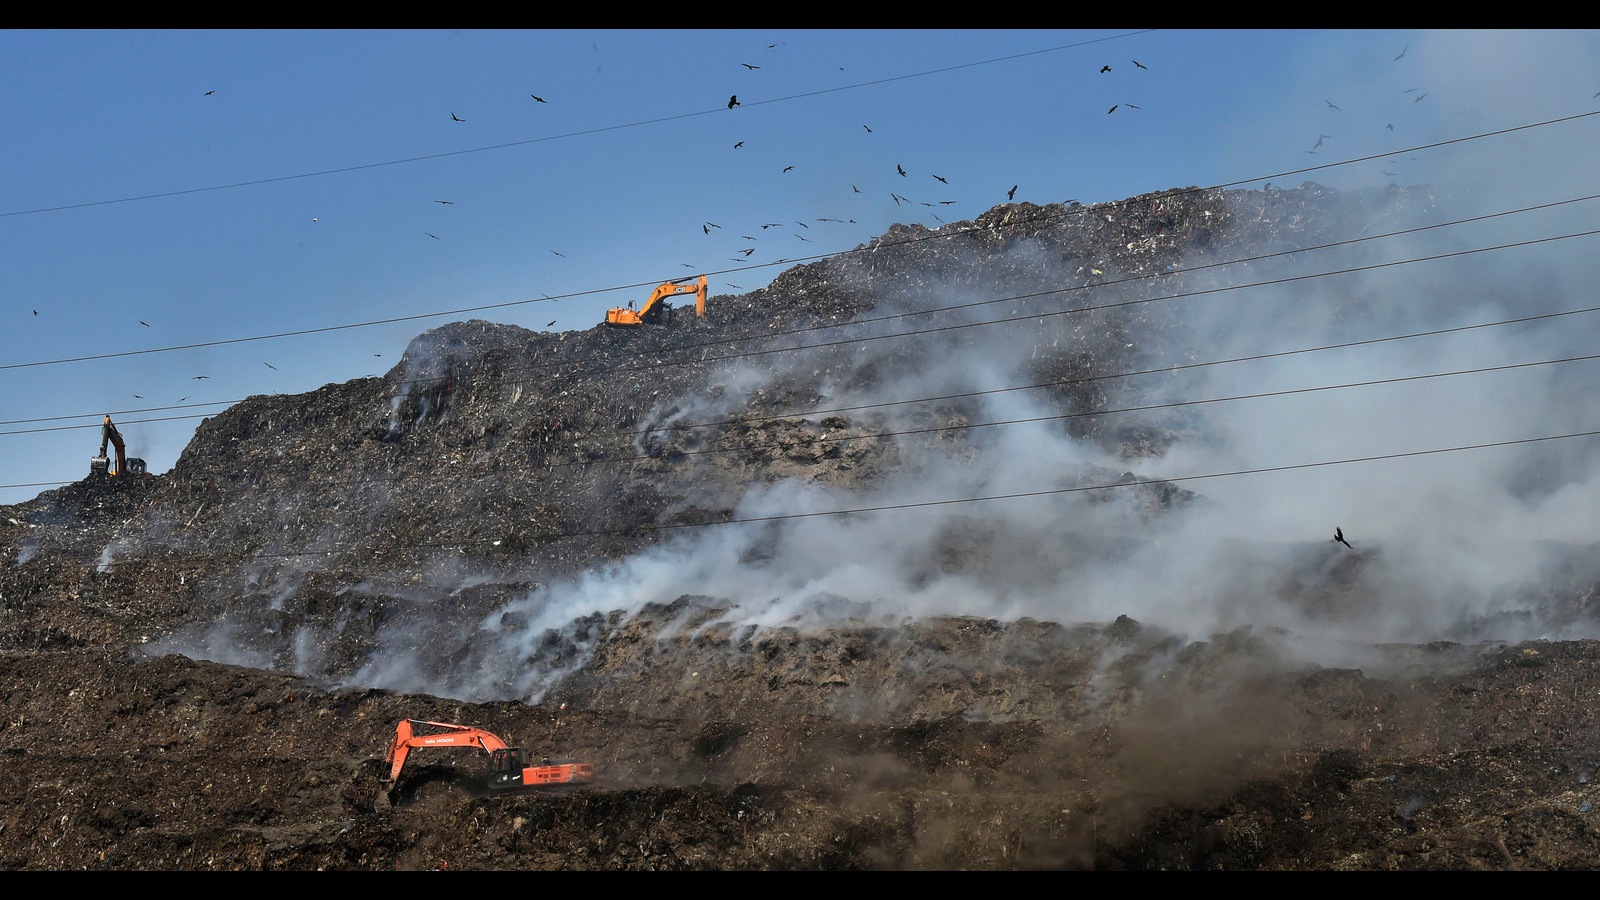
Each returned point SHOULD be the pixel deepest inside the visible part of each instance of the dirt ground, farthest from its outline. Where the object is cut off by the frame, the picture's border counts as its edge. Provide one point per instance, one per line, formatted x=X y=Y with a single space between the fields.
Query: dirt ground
x=202 y=669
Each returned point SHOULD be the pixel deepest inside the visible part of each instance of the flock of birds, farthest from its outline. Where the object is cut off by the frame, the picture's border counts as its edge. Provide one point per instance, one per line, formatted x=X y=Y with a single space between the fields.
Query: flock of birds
x=733 y=102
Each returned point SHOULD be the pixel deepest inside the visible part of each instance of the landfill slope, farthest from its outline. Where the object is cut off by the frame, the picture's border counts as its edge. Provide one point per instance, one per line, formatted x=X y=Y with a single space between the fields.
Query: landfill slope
x=201 y=669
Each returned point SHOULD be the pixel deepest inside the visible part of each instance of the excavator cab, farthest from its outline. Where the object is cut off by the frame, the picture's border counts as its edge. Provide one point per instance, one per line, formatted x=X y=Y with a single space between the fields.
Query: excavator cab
x=505 y=769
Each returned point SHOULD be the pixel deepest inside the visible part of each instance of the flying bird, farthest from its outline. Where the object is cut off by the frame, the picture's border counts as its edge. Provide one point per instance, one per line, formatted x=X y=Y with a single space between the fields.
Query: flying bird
x=538 y=98
x=733 y=101
x=138 y=397
x=456 y=118
x=788 y=168
x=738 y=145
x=748 y=66
x=900 y=170
x=431 y=234
x=1338 y=535
x=199 y=377
x=1012 y=194
x=559 y=253
x=549 y=323
x=1140 y=64
x=1402 y=53
x=748 y=252
x=209 y=93
x=1419 y=98
x=1104 y=69
x=1329 y=102
x=941 y=180
x=36 y=312
x=852 y=188
x=869 y=130
x=1391 y=126
x=144 y=323
x=706 y=228
x=446 y=202
x=269 y=365
x=1320 y=139
x=1112 y=109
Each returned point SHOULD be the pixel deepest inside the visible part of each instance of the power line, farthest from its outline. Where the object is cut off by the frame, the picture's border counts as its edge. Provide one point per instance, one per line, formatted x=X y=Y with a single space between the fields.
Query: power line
x=933 y=310
x=922 y=504
x=571 y=134
x=798 y=260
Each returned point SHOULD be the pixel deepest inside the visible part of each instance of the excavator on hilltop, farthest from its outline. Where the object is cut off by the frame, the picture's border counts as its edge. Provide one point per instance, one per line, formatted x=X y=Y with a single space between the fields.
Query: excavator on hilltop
x=655 y=310
x=509 y=772
x=101 y=465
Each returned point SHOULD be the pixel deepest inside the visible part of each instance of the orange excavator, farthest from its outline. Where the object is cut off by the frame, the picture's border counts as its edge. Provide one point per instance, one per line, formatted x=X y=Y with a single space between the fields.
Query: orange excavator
x=654 y=309
x=508 y=772
x=101 y=465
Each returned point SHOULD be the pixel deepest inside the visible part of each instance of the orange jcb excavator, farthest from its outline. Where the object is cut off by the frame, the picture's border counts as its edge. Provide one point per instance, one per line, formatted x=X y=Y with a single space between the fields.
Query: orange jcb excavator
x=101 y=465
x=654 y=309
x=508 y=771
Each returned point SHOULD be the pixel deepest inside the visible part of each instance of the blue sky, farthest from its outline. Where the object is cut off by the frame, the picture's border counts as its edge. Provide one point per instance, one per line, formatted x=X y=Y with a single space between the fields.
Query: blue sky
x=193 y=217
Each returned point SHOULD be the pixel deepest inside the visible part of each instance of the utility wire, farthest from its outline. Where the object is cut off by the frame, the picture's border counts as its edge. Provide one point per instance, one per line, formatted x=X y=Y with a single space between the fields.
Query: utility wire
x=798 y=260
x=178 y=558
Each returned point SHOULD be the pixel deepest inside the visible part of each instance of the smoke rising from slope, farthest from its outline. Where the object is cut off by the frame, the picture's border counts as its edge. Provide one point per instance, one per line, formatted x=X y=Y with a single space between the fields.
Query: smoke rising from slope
x=1226 y=519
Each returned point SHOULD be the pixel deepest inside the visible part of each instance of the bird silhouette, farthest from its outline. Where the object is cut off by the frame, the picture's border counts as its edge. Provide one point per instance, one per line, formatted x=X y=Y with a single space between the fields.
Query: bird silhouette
x=1113 y=108
x=788 y=168
x=1104 y=69
x=559 y=253
x=1320 y=139
x=853 y=189
x=138 y=397
x=1402 y=53
x=269 y=365
x=1329 y=102
x=144 y=323
x=209 y=93
x=748 y=66
x=36 y=312
x=900 y=170
x=941 y=180
x=1338 y=535
x=1012 y=194
x=456 y=118
x=1391 y=126
x=869 y=130
x=446 y=202
x=199 y=377
x=733 y=101
x=549 y=323
x=431 y=234
x=738 y=145
x=1419 y=98
x=748 y=251
x=538 y=98
x=705 y=228
x=1140 y=64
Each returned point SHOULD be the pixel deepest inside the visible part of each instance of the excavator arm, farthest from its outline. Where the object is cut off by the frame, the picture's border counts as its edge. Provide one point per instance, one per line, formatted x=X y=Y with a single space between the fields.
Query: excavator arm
x=406 y=739
x=100 y=465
